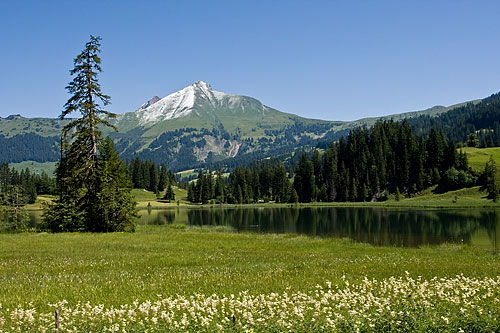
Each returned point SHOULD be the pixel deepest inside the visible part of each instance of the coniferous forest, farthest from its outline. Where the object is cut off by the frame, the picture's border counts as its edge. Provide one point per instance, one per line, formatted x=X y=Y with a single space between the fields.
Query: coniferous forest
x=152 y=177
x=17 y=189
x=474 y=124
x=368 y=165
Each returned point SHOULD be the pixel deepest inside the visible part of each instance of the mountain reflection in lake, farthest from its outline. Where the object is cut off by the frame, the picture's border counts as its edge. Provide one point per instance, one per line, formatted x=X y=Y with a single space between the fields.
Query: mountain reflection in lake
x=377 y=226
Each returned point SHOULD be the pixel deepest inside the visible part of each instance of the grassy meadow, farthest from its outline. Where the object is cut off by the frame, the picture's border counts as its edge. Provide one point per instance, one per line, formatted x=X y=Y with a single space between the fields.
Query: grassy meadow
x=478 y=157
x=177 y=278
x=144 y=198
x=36 y=167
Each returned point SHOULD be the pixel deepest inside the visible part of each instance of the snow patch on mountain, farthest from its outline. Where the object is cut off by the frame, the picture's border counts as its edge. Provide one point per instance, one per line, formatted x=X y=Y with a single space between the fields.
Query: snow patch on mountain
x=178 y=104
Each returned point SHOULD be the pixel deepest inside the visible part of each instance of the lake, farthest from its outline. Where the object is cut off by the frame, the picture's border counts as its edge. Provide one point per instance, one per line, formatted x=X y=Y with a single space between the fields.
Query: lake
x=377 y=226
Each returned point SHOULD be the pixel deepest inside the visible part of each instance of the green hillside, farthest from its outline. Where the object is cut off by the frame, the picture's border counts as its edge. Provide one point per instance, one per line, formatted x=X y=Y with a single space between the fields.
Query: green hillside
x=36 y=167
x=479 y=156
x=18 y=125
x=431 y=112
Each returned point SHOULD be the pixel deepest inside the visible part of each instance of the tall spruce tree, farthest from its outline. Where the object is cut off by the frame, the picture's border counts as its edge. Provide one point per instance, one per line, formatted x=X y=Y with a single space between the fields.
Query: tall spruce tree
x=304 y=182
x=15 y=215
x=91 y=177
x=330 y=173
x=490 y=179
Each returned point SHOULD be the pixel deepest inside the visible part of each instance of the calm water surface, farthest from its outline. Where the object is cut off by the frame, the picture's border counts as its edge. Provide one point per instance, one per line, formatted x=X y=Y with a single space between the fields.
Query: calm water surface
x=377 y=226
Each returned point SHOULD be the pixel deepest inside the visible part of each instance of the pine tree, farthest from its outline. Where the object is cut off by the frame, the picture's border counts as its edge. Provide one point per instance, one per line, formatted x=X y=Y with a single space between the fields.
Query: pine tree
x=304 y=182
x=490 y=178
x=198 y=189
x=164 y=179
x=473 y=140
x=330 y=173
x=191 y=196
x=220 y=187
x=15 y=216
x=397 y=196
x=318 y=174
x=92 y=179
x=153 y=177
x=294 y=198
x=116 y=204
x=280 y=184
x=255 y=184
x=169 y=193
x=239 y=194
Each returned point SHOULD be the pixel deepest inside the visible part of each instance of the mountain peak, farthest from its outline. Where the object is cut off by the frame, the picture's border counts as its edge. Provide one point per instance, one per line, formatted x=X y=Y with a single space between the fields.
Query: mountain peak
x=14 y=117
x=151 y=101
x=180 y=103
x=201 y=84
x=203 y=87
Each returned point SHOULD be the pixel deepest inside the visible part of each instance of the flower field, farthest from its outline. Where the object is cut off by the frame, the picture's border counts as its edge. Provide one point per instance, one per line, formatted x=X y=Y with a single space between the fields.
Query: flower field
x=457 y=304
x=192 y=280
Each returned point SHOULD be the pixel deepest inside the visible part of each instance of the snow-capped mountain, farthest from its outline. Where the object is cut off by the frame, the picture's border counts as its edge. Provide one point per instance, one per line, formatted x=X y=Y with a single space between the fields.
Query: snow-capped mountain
x=198 y=124
x=180 y=103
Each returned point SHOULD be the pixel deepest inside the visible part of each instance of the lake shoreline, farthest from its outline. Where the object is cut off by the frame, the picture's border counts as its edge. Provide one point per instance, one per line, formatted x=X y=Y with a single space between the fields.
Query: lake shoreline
x=460 y=199
x=417 y=205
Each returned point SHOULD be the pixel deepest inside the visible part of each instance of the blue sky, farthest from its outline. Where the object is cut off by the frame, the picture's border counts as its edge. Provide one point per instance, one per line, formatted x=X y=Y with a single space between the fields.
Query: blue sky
x=335 y=60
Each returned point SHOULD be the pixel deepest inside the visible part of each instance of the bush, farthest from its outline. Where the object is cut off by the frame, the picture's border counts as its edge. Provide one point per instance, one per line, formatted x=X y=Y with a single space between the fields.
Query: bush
x=454 y=179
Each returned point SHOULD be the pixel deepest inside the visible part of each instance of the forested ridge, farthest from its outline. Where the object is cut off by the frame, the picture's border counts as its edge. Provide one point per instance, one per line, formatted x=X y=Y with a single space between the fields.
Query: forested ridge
x=368 y=165
x=28 y=147
x=466 y=124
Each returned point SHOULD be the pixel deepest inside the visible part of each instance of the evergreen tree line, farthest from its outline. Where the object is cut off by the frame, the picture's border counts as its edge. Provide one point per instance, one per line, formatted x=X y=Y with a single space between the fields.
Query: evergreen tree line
x=368 y=165
x=259 y=182
x=28 y=147
x=152 y=177
x=18 y=188
x=387 y=158
x=30 y=184
x=473 y=124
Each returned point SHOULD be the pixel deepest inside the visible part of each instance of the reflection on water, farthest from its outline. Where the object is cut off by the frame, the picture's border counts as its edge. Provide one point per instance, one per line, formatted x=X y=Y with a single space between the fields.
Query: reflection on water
x=377 y=226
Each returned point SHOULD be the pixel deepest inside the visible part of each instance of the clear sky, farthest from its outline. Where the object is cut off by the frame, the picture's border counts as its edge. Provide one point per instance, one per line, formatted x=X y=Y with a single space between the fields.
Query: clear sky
x=335 y=60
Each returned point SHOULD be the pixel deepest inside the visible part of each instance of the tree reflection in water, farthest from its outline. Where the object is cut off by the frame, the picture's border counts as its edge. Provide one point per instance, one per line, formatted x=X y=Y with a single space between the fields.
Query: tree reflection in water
x=377 y=226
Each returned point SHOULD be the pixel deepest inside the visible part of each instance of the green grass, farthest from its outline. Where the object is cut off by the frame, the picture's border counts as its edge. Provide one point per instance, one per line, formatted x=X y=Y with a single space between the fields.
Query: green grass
x=186 y=173
x=117 y=269
x=479 y=156
x=120 y=267
x=466 y=197
x=144 y=198
x=143 y=195
x=36 y=167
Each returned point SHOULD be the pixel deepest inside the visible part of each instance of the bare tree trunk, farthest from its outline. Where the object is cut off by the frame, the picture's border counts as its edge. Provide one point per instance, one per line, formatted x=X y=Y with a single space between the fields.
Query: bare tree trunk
x=91 y=115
